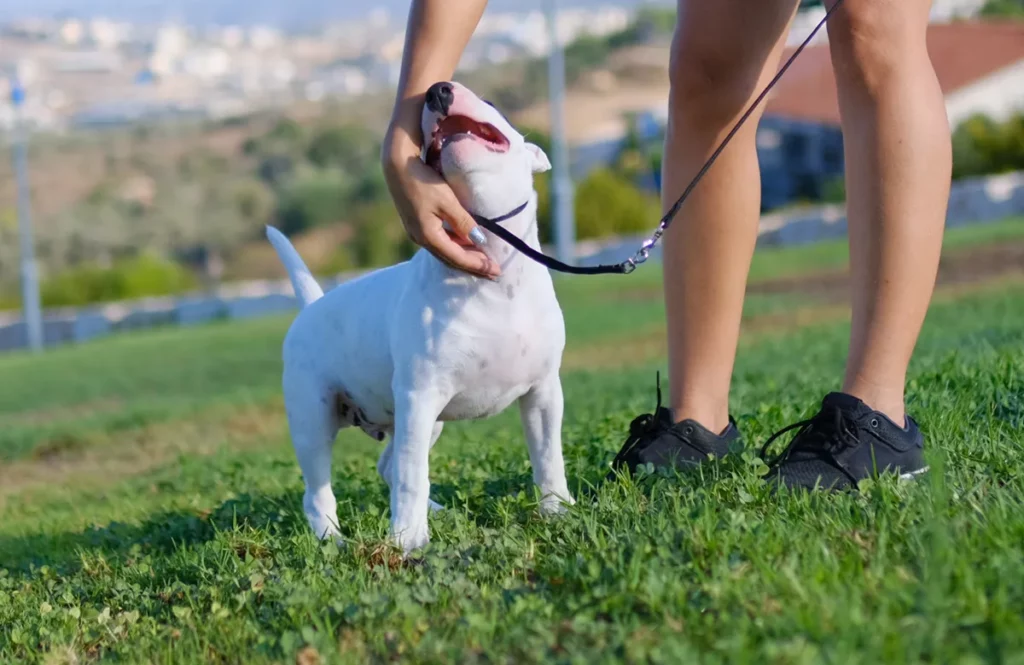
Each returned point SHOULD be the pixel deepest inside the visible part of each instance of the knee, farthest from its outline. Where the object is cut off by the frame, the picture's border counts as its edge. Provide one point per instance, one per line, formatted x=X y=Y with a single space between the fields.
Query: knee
x=873 y=41
x=711 y=84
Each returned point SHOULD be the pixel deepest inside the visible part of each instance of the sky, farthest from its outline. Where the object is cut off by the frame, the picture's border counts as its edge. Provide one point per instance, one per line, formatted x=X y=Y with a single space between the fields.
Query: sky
x=290 y=14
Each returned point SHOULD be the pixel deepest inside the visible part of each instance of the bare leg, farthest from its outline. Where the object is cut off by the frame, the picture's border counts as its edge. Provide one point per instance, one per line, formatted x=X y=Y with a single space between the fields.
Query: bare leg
x=723 y=53
x=898 y=165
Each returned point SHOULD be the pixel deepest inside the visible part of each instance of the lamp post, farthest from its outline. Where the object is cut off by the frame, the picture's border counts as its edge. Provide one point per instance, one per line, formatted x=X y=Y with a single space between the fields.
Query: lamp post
x=29 y=271
x=562 y=189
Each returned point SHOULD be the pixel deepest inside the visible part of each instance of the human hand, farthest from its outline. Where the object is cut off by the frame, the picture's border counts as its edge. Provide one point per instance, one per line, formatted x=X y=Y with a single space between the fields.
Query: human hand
x=425 y=201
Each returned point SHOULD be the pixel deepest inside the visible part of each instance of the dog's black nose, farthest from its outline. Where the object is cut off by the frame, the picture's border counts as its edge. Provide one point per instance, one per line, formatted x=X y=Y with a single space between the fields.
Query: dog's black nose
x=440 y=97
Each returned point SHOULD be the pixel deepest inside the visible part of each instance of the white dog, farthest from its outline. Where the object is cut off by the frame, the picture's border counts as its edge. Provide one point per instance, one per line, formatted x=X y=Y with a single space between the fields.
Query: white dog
x=402 y=350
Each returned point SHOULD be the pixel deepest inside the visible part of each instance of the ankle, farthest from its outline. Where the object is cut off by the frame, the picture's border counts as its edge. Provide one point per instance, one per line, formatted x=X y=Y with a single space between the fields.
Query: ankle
x=714 y=418
x=888 y=402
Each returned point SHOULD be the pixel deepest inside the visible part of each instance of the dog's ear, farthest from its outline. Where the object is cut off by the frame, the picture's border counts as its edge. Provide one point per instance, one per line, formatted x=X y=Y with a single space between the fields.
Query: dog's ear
x=539 y=161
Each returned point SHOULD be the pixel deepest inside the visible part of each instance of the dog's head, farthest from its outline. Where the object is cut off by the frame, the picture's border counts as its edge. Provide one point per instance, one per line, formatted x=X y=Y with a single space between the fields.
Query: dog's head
x=474 y=147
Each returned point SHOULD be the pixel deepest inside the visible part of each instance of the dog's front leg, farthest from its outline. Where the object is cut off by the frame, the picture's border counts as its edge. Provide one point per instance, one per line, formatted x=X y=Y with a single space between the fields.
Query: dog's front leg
x=384 y=463
x=541 y=413
x=415 y=419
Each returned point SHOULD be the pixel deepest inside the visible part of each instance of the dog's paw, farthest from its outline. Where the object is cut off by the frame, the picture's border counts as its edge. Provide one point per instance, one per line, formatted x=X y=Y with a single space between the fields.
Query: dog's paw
x=553 y=505
x=325 y=528
x=435 y=507
x=338 y=541
x=411 y=538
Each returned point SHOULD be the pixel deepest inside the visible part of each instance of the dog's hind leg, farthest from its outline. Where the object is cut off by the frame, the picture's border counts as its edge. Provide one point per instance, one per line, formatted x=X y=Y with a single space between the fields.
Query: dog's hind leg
x=541 y=412
x=384 y=463
x=313 y=426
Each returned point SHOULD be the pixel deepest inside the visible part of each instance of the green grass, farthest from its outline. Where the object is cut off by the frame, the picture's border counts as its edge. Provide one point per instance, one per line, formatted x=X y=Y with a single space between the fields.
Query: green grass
x=205 y=556
x=75 y=399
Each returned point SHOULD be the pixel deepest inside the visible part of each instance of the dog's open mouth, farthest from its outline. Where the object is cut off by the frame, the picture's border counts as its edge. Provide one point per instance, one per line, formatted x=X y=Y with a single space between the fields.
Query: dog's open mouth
x=460 y=126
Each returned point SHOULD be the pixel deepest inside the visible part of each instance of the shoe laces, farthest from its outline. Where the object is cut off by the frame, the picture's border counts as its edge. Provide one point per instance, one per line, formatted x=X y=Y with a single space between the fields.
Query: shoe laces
x=642 y=429
x=822 y=436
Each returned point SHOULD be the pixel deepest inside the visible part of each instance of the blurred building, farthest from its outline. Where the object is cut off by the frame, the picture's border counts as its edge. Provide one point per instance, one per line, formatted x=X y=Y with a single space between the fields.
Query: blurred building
x=979 y=64
x=980 y=67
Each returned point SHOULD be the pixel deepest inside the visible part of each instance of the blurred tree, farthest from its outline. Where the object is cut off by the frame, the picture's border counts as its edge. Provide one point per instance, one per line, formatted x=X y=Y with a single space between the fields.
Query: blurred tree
x=285 y=132
x=370 y=187
x=347 y=147
x=255 y=203
x=313 y=199
x=275 y=169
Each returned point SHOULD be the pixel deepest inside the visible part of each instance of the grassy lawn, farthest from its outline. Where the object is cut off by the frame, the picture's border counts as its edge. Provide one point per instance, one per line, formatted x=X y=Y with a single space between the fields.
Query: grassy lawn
x=150 y=508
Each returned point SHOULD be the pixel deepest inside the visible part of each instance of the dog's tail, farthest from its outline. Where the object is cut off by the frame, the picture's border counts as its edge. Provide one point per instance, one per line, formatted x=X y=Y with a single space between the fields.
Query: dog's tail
x=306 y=288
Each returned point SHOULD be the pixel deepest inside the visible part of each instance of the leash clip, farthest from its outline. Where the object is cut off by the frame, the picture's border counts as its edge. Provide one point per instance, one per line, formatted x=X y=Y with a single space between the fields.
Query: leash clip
x=644 y=252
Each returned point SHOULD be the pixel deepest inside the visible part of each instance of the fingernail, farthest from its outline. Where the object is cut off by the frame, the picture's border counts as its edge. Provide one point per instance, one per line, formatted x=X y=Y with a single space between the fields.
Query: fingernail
x=477 y=236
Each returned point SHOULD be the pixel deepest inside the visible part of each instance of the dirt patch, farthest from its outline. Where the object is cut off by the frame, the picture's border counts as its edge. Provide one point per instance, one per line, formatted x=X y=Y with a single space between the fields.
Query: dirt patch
x=139 y=450
x=51 y=415
x=597 y=114
x=966 y=266
x=956 y=267
x=651 y=343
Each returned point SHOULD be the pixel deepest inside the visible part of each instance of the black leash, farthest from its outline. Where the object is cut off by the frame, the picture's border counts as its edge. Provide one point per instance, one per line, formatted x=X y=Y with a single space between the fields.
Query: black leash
x=495 y=227
x=630 y=264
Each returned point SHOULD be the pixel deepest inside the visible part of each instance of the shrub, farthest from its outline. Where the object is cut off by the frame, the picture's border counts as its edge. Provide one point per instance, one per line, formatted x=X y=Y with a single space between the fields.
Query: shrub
x=139 y=277
x=982 y=146
x=609 y=204
x=606 y=203
x=834 y=190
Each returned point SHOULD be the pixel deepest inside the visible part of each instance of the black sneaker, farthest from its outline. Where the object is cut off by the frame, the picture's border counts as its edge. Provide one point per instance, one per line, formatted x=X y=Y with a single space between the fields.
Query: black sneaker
x=657 y=439
x=844 y=443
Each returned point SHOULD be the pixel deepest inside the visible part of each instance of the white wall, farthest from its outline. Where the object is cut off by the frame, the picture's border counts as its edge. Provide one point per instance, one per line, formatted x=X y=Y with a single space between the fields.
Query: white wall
x=998 y=96
x=946 y=10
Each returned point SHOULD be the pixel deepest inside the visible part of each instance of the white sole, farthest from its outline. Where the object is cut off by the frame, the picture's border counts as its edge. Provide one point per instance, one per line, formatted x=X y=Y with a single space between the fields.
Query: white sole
x=913 y=475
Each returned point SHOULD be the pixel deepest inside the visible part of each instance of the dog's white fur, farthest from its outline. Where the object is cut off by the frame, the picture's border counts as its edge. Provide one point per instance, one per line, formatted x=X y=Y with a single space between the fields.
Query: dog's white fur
x=402 y=350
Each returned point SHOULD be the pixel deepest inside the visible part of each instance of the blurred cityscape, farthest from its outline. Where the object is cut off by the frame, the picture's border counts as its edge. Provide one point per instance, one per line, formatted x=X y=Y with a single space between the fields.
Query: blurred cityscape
x=91 y=72
x=100 y=72
x=159 y=151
